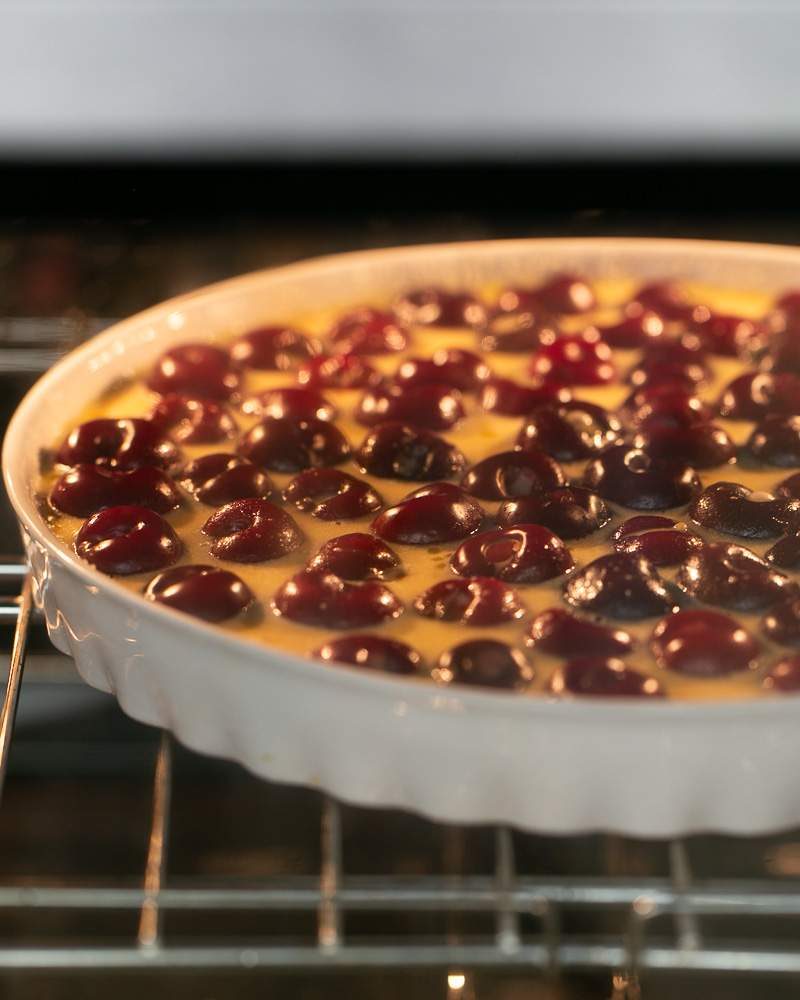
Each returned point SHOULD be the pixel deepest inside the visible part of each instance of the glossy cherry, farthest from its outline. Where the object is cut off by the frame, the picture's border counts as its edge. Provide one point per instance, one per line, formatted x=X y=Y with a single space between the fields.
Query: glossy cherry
x=368 y=331
x=560 y=633
x=569 y=431
x=510 y=399
x=437 y=307
x=219 y=478
x=526 y=553
x=288 y=445
x=473 y=601
x=117 y=444
x=659 y=539
x=619 y=585
x=789 y=487
x=337 y=371
x=371 y=652
x=776 y=440
x=722 y=333
x=755 y=395
x=565 y=293
x=206 y=592
x=332 y=495
x=512 y=474
x=429 y=519
x=127 y=539
x=484 y=663
x=671 y=361
x=736 y=510
x=400 y=451
x=252 y=530
x=637 y=328
x=664 y=405
x=452 y=366
x=702 y=445
x=784 y=675
x=783 y=350
x=703 y=644
x=731 y=576
x=431 y=405
x=631 y=477
x=781 y=623
x=290 y=403
x=569 y=511
x=665 y=298
x=602 y=677
x=316 y=597
x=273 y=348
x=573 y=359
x=86 y=489
x=193 y=421
x=789 y=302
x=785 y=553
x=358 y=556
x=201 y=371
x=514 y=331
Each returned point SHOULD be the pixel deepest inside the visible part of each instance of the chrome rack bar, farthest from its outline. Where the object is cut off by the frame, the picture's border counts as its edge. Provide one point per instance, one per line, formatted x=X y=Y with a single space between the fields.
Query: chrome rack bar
x=686 y=923
x=329 y=924
x=505 y=877
x=150 y=921
x=8 y=712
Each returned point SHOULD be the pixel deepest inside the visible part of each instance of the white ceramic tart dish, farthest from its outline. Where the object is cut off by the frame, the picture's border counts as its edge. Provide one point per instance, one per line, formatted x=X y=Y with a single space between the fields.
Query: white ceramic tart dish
x=650 y=767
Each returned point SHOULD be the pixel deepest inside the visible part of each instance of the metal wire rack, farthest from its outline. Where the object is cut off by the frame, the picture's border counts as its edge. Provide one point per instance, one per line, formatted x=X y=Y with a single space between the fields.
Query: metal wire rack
x=659 y=921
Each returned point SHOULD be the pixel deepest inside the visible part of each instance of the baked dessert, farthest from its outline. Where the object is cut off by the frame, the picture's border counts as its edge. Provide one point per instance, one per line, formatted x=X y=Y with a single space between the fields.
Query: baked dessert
x=569 y=489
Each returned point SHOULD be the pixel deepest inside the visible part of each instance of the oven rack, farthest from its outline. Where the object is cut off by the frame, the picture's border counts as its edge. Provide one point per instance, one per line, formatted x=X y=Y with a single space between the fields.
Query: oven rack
x=676 y=943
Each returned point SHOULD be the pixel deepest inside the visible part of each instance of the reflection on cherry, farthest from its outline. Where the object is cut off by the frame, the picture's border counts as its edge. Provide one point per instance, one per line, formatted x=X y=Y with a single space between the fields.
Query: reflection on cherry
x=472 y=601
x=484 y=663
x=206 y=592
x=602 y=677
x=370 y=652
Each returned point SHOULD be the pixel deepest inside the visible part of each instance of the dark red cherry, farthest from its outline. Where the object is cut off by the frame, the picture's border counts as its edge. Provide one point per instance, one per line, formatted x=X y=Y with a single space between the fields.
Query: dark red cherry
x=573 y=359
x=332 y=495
x=659 y=539
x=559 y=633
x=703 y=445
x=430 y=519
x=510 y=399
x=629 y=476
x=484 y=663
x=526 y=553
x=252 y=530
x=201 y=371
x=474 y=601
x=637 y=328
x=703 y=644
x=781 y=623
x=776 y=440
x=337 y=371
x=516 y=300
x=754 y=395
x=206 y=592
x=454 y=367
x=400 y=451
x=437 y=307
x=783 y=351
x=569 y=511
x=432 y=406
x=601 y=677
x=368 y=331
x=220 y=478
x=441 y=489
x=784 y=675
x=785 y=553
x=619 y=585
x=193 y=421
x=86 y=489
x=318 y=598
x=567 y=294
x=512 y=474
x=569 y=431
x=117 y=444
x=721 y=333
x=736 y=510
x=665 y=298
x=789 y=488
x=731 y=576
x=789 y=302
x=664 y=406
x=514 y=331
x=273 y=348
x=370 y=652
x=288 y=445
x=357 y=556
x=291 y=404
x=673 y=361
x=127 y=539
